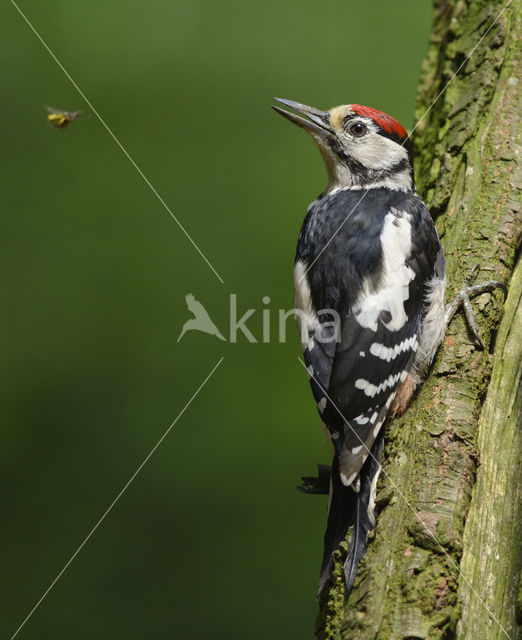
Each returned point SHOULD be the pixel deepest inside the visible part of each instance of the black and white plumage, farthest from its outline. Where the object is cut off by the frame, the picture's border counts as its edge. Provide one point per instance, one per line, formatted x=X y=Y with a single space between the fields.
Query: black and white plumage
x=369 y=293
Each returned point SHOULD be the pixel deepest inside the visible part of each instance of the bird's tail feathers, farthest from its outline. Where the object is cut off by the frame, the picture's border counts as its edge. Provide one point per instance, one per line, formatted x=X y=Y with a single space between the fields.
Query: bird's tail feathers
x=363 y=517
x=348 y=508
x=340 y=514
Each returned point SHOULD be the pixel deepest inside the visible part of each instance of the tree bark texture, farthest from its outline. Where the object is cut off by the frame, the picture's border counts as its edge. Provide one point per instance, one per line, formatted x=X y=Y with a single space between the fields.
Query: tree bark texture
x=444 y=560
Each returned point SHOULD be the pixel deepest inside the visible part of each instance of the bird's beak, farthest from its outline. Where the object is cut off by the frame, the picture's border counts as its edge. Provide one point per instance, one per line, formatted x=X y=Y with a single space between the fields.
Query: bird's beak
x=317 y=122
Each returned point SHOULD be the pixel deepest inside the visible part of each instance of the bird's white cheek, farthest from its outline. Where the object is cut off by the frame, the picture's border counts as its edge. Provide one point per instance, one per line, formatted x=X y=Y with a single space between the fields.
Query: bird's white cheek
x=378 y=153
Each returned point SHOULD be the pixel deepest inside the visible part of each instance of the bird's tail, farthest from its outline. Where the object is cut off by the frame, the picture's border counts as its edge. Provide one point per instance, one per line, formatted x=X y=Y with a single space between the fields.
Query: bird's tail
x=348 y=508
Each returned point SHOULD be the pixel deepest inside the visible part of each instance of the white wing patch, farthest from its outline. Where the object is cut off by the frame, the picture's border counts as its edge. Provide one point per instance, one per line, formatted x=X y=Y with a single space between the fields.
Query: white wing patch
x=393 y=289
x=386 y=353
x=371 y=389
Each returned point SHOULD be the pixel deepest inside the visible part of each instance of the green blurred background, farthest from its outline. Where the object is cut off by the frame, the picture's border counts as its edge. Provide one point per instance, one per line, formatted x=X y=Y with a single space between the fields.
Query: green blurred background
x=211 y=540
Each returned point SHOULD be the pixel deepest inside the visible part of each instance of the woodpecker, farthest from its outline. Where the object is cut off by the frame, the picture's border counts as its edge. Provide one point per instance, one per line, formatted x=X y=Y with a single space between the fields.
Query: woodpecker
x=370 y=282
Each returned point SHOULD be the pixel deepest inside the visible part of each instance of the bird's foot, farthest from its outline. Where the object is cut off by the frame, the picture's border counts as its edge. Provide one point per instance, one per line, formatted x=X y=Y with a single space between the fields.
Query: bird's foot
x=466 y=294
x=320 y=484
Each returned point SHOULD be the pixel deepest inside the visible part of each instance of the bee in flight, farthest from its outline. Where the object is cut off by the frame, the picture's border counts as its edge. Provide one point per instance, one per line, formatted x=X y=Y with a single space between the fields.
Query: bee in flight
x=60 y=119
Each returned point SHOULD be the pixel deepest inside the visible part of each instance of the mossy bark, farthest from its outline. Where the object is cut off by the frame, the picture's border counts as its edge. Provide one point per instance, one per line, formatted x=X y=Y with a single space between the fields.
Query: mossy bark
x=445 y=558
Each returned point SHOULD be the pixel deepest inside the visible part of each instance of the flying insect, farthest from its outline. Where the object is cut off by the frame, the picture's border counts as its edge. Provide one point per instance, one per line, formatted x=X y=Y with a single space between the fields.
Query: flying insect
x=60 y=119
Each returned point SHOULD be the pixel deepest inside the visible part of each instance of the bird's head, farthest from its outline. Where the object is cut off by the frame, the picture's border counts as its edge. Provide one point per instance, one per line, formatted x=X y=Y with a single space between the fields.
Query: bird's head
x=361 y=147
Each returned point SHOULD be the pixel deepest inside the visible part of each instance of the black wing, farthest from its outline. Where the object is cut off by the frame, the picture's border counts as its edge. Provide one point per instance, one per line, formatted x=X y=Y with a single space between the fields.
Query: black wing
x=380 y=309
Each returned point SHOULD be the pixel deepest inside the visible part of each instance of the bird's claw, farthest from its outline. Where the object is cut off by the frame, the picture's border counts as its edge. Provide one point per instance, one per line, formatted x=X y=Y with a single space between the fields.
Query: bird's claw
x=317 y=485
x=463 y=299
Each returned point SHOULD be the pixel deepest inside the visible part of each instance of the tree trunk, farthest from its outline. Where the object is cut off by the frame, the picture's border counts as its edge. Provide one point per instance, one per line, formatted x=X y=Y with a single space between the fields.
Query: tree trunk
x=444 y=560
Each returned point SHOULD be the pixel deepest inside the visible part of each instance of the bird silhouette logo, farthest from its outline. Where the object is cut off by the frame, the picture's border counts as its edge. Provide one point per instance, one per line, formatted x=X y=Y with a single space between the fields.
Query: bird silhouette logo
x=201 y=320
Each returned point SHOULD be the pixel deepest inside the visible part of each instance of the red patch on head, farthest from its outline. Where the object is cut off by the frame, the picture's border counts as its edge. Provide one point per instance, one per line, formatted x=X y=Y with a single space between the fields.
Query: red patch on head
x=383 y=120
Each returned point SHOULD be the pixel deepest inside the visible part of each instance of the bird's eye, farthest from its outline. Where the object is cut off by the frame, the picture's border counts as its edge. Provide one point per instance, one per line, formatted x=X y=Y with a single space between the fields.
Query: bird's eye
x=358 y=129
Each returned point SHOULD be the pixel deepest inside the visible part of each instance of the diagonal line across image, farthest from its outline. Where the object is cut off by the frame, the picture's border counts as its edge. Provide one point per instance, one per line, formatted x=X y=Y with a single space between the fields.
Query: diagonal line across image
x=309 y=266
x=410 y=506
x=109 y=508
x=124 y=151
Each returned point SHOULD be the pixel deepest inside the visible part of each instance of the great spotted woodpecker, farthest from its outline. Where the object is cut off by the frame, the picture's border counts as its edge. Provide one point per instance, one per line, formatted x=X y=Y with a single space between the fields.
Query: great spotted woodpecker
x=369 y=294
